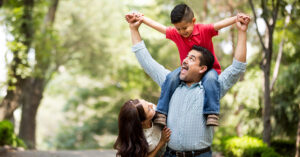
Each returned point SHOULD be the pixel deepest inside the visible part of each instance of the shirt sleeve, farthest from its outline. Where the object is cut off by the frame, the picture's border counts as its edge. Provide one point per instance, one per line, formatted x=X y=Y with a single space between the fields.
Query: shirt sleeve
x=209 y=29
x=171 y=33
x=231 y=75
x=157 y=72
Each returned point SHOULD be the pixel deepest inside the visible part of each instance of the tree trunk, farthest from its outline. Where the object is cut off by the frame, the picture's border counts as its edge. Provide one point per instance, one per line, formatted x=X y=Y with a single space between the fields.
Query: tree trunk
x=13 y=98
x=34 y=90
x=270 y=18
x=32 y=98
x=11 y=102
x=267 y=107
x=298 y=138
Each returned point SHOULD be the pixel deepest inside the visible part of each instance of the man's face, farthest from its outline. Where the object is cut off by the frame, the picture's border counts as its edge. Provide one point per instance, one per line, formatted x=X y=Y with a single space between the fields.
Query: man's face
x=191 y=70
x=185 y=29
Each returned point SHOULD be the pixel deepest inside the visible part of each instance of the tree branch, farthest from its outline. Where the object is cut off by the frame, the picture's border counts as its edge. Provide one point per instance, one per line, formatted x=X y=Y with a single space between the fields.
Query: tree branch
x=280 y=51
x=255 y=21
x=275 y=13
x=277 y=65
x=50 y=16
x=265 y=12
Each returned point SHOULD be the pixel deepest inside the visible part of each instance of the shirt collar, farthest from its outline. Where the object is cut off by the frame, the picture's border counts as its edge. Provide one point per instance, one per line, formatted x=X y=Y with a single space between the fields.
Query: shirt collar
x=182 y=83
x=195 y=30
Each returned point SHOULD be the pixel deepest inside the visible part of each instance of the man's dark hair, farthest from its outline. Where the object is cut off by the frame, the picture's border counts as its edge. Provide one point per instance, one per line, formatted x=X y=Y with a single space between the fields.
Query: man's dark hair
x=182 y=12
x=206 y=58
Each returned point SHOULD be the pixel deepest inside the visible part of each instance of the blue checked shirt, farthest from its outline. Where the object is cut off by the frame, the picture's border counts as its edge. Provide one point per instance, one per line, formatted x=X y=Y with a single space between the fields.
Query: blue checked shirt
x=185 y=118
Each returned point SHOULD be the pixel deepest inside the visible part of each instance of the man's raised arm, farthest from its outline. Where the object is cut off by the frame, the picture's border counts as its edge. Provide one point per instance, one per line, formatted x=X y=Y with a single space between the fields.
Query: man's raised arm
x=231 y=74
x=241 y=48
x=156 y=71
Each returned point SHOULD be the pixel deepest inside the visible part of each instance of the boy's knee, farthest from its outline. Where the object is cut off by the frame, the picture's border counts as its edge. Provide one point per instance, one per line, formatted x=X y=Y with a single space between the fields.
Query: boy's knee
x=211 y=75
x=174 y=75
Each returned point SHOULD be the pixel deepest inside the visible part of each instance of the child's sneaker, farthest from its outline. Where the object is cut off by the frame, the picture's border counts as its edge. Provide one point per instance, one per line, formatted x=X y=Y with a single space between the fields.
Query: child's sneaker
x=212 y=120
x=160 y=119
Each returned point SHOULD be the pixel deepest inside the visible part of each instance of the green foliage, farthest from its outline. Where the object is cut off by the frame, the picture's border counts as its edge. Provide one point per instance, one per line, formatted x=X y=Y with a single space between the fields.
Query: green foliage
x=7 y=136
x=222 y=133
x=286 y=93
x=6 y=133
x=246 y=147
x=284 y=147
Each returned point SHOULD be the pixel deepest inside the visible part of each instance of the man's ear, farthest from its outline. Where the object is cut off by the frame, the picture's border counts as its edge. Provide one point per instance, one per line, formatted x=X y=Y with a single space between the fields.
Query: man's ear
x=203 y=69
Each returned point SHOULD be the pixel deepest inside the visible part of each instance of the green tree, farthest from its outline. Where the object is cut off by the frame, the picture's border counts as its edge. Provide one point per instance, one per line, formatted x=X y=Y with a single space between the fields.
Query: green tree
x=270 y=12
x=19 y=19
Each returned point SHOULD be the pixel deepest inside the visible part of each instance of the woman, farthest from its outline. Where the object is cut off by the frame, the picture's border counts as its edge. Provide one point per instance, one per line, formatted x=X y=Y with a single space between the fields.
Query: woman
x=138 y=137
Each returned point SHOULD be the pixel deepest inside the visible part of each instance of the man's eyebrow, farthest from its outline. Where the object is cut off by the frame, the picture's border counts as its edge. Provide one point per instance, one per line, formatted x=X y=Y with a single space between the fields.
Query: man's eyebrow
x=193 y=56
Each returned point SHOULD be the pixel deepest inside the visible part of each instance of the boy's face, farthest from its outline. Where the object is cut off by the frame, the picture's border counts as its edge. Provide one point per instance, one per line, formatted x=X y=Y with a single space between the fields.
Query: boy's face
x=184 y=28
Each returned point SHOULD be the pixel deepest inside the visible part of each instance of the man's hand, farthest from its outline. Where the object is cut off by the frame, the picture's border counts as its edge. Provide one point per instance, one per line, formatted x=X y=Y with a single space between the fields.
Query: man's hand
x=242 y=22
x=243 y=18
x=134 y=20
x=135 y=24
x=241 y=26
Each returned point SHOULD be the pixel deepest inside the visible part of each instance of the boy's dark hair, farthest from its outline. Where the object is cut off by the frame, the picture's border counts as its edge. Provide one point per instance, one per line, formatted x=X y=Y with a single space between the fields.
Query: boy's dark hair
x=206 y=58
x=182 y=12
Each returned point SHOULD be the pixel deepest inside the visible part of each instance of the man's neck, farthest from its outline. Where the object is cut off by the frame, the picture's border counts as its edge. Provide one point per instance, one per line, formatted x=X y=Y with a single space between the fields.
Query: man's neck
x=193 y=82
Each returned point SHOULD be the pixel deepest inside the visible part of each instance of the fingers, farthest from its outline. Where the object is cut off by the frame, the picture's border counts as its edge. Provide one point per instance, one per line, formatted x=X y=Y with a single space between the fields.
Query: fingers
x=130 y=18
x=167 y=132
x=133 y=17
x=241 y=26
x=243 y=18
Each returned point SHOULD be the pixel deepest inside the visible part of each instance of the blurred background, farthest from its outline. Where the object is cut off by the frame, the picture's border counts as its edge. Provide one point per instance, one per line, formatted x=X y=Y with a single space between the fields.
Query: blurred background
x=66 y=68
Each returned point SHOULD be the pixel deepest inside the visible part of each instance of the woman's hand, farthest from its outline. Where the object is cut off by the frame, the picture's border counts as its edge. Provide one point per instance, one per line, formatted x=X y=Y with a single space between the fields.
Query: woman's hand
x=165 y=135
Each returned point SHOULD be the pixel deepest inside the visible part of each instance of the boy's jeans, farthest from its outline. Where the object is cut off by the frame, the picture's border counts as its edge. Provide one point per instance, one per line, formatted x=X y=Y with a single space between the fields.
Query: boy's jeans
x=211 y=88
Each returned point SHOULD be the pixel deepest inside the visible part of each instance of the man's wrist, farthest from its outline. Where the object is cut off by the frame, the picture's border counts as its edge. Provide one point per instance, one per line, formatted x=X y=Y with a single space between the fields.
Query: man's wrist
x=133 y=28
x=242 y=32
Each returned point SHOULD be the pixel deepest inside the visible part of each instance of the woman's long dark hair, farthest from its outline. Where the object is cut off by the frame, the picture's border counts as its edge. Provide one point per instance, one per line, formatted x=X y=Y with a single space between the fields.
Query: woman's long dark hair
x=131 y=141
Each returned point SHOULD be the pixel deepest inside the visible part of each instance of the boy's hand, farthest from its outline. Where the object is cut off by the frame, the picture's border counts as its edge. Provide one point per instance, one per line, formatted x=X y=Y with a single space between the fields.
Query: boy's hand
x=133 y=17
x=243 y=18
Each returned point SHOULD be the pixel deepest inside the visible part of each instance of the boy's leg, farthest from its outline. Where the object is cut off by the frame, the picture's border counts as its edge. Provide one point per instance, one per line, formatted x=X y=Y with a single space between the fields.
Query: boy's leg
x=212 y=97
x=171 y=83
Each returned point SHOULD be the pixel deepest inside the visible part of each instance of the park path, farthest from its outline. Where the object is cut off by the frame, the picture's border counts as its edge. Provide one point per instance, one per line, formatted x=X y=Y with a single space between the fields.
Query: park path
x=84 y=153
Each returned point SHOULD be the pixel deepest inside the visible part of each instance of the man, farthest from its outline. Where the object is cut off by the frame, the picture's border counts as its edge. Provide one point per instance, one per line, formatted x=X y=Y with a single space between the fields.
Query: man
x=190 y=136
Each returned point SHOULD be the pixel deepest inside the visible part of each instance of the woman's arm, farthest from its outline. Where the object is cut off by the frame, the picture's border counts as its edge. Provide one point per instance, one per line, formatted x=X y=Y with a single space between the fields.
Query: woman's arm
x=165 y=137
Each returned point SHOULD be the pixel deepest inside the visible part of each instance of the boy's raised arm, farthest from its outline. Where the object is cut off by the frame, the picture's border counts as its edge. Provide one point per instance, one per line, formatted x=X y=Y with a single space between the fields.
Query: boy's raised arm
x=153 y=24
x=224 y=23
x=240 y=17
x=149 y=22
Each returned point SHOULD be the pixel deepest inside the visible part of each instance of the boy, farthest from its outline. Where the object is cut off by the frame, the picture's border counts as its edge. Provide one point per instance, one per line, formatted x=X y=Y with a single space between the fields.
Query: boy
x=186 y=34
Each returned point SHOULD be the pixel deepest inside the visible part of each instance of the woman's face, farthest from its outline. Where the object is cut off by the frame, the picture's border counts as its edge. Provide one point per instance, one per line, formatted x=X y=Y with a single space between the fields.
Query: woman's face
x=149 y=109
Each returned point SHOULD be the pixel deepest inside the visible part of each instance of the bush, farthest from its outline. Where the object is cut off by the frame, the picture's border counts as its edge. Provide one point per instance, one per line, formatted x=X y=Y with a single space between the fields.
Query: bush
x=285 y=148
x=246 y=147
x=7 y=136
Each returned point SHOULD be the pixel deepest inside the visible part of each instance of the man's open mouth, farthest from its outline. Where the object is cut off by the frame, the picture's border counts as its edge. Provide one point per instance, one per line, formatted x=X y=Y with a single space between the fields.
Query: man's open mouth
x=184 y=68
